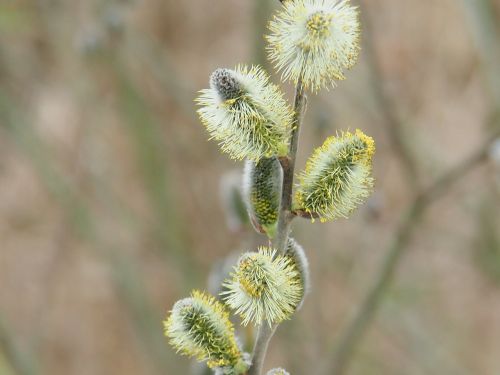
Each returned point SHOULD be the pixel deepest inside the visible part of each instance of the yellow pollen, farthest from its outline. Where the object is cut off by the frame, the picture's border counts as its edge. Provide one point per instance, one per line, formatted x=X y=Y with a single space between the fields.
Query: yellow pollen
x=249 y=283
x=318 y=24
x=369 y=143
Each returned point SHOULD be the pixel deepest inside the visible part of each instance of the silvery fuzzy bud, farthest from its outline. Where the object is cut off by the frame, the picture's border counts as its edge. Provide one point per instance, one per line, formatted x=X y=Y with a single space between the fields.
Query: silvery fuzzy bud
x=226 y=84
x=246 y=113
x=262 y=184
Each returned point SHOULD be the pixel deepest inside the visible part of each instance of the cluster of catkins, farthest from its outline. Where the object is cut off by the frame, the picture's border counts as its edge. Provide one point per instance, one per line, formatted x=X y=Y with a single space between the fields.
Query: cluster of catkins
x=312 y=43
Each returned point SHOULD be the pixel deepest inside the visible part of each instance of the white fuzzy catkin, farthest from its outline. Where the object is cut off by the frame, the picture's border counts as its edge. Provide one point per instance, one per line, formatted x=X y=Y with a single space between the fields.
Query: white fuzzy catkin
x=315 y=40
x=264 y=286
x=246 y=113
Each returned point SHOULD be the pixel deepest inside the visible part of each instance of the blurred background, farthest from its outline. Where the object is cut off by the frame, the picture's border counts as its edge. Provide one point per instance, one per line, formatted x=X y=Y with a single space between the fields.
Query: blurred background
x=111 y=204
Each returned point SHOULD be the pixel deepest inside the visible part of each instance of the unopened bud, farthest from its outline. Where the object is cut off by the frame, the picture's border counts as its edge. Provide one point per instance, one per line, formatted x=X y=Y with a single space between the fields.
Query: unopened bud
x=262 y=183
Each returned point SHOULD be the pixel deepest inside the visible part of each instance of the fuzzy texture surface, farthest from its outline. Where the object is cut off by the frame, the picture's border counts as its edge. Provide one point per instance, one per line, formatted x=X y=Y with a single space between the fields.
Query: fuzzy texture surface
x=246 y=113
x=264 y=286
x=199 y=327
x=316 y=40
x=338 y=176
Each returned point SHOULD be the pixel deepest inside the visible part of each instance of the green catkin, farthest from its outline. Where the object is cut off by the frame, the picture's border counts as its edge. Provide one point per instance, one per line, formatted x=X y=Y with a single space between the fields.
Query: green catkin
x=337 y=177
x=262 y=182
x=199 y=327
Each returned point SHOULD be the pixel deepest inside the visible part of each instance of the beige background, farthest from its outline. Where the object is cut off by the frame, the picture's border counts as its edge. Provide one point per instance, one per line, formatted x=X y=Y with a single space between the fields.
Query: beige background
x=109 y=189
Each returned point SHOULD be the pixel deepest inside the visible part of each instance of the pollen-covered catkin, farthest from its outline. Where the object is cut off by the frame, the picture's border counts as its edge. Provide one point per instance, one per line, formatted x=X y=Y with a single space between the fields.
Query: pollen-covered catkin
x=246 y=113
x=262 y=182
x=315 y=41
x=337 y=177
x=264 y=286
x=199 y=327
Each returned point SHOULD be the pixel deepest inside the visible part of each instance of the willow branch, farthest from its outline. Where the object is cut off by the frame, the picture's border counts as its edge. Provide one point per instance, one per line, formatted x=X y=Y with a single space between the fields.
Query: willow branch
x=288 y=165
x=284 y=220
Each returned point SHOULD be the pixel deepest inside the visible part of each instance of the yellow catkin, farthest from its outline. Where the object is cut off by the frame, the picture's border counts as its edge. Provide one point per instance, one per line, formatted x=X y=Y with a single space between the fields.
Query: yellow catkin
x=315 y=41
x=337 y=177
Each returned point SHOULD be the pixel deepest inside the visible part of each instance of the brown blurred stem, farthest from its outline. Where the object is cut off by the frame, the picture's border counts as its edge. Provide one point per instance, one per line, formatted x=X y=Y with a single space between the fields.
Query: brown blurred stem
x=284 y=222
x=348 y=342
